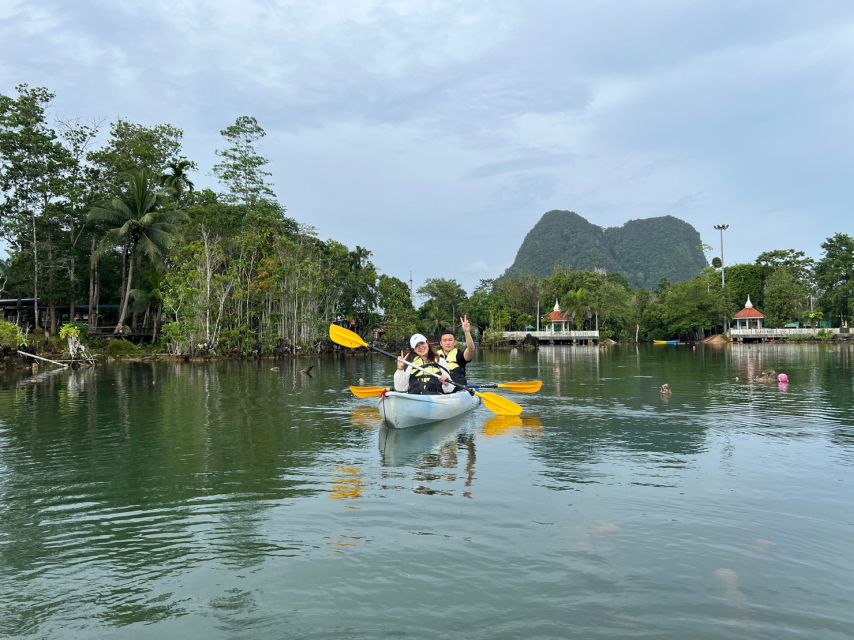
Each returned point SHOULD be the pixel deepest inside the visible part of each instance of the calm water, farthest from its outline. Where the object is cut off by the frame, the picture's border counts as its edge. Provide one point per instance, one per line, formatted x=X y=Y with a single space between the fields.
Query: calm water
x=231 y=501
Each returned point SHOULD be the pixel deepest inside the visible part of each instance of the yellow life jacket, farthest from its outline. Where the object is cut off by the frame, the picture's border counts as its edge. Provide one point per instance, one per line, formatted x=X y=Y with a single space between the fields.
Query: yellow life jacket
x=458 y=373
x=450 y=357
x=422 y=381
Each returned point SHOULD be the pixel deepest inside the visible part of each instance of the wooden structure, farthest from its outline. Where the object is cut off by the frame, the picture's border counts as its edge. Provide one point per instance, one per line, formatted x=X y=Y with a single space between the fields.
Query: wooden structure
x=554 y=337
x=750 y=327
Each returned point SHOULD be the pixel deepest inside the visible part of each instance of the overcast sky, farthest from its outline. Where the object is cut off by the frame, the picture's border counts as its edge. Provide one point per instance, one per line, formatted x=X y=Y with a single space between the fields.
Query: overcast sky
x=436 y=134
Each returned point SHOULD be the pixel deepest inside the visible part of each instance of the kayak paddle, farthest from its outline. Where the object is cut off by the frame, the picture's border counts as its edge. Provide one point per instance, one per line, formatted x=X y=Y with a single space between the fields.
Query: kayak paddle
x=518 y=387
x=533 y=386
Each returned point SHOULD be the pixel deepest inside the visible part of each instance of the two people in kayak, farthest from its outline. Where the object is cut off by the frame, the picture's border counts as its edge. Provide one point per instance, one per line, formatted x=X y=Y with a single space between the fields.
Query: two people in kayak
x=434 y=372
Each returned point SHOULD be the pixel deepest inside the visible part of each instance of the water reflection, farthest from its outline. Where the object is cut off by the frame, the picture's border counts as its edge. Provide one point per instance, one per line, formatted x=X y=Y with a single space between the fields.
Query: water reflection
x=399 y=447
x=227 y=497
x=525 y=425
x=347 y=483
x=366 y=417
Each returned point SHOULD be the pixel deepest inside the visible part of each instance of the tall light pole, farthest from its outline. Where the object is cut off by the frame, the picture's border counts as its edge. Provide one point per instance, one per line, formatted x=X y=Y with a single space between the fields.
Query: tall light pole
x=722 y=228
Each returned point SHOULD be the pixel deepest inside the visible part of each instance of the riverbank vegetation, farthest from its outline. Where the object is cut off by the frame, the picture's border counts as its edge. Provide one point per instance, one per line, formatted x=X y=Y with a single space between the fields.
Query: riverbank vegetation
x=106 y=228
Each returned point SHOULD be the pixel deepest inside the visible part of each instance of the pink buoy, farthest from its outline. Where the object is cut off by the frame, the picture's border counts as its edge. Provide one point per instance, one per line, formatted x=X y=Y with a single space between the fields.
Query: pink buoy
x=782 y=378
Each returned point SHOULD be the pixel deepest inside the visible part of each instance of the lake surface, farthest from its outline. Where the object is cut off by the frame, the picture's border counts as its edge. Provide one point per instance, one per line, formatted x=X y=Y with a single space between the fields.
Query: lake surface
x=228 y=500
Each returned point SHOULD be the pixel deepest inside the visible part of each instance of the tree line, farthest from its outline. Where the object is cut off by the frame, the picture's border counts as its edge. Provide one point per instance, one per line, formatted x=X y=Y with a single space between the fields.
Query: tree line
x=91 y=224
x=122 y=224
x=785 y=284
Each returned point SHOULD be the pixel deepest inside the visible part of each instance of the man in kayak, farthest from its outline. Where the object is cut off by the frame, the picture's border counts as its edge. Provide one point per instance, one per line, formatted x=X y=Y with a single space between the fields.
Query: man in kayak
x=411 y=380
x=457 y=358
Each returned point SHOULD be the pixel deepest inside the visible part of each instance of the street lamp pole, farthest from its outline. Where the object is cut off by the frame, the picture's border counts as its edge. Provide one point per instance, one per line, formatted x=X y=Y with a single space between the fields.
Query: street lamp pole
x=722 y=228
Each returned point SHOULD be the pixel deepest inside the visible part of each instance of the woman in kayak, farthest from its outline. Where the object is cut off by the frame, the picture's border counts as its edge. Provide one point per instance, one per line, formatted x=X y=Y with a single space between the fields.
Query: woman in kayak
x=411 y=380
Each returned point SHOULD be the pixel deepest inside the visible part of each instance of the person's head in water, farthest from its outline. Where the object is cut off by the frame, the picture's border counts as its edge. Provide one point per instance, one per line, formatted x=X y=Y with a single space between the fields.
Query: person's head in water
x=448 y=340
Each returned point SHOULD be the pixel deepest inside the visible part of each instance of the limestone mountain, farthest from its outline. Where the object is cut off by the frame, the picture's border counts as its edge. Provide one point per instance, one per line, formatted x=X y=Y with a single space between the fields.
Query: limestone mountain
x=645 y=251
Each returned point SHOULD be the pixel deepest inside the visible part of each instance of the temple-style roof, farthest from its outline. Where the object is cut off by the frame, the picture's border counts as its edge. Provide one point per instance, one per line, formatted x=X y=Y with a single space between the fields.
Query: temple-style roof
x=557 y=315
x=748 y=312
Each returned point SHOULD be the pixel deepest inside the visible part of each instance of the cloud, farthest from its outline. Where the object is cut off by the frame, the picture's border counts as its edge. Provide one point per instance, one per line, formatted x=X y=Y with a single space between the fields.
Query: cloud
x=473 y=119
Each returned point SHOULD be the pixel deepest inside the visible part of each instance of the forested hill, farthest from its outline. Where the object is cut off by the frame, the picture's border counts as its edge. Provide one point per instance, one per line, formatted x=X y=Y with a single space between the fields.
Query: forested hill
x=645 y=251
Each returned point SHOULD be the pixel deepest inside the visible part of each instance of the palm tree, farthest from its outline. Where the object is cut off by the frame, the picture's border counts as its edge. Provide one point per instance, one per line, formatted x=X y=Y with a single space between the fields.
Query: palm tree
x=176 y=178
x=137 y=221
x=578 y=301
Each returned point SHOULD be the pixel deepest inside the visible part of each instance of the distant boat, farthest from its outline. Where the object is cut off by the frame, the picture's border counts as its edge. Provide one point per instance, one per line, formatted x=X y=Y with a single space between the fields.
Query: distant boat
x=665 y=342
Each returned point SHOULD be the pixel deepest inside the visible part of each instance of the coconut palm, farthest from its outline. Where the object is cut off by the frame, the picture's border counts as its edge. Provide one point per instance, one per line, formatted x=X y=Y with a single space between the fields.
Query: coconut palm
x=176 y=178
x=137 y=221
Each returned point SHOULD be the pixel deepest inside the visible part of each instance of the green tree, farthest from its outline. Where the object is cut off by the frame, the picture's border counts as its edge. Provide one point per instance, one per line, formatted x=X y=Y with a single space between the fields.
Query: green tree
x=744 y=280
x=613 y=306
x=785 y=296
x=519 y=296
x=177 y=179
x=133 y=147
x=688 y=308
x=399 y=315
x=137 y=222
x=32 y=163
x=797 y=262
x=834 y=275
x=480 y=303
x=242 y=167
x=446 y=302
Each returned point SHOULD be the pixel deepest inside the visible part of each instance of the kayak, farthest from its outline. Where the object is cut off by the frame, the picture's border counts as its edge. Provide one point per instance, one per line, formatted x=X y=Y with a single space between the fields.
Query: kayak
x=665 y=342
x=402 y=410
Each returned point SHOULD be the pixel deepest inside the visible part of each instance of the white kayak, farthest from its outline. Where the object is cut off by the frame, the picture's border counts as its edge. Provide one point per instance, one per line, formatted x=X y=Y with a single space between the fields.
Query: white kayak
x=402 y=410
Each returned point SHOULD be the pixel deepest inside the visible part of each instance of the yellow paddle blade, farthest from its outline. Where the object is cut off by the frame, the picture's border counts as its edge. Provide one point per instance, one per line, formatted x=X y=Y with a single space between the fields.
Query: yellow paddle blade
x=533 y=386
x=368 y=392
x=345 y=337
x=499 y=405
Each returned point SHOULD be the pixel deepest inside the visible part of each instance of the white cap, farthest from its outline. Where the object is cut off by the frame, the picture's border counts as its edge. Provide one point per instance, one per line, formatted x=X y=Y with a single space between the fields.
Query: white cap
x=415 y=339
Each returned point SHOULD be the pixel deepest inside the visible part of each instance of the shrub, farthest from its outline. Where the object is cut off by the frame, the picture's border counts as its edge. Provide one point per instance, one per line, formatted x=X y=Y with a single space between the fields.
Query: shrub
x=69 y=330
x=11 y=336
x=492 y=338
x=123 y=349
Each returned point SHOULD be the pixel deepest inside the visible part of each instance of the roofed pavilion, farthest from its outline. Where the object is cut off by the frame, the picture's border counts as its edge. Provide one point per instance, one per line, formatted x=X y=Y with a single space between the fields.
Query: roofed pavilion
x=749 y=318
x=560 y=321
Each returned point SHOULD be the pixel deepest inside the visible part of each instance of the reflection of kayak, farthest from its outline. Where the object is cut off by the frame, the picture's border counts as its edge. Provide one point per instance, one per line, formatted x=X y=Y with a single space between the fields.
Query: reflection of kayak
x=402 y=446
x=665 y=342
x=403 y=410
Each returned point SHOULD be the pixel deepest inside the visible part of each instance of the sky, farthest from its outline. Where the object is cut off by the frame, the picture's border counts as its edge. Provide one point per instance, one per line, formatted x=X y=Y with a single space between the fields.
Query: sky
x=436 y=134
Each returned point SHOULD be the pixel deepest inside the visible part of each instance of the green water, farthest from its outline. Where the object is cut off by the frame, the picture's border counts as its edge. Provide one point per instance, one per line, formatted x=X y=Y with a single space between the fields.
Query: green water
x=228 y=500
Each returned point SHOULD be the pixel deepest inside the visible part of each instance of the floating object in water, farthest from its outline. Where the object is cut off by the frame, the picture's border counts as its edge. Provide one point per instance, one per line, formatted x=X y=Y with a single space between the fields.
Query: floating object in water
x=782 y=378
x=665 y=389
x=665 y=342
x=307 y=370
x=767 y=375
x=274 y=368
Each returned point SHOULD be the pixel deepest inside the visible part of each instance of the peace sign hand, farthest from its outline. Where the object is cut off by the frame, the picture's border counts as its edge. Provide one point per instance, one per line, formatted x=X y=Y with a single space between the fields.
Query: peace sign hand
x=464 y=321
